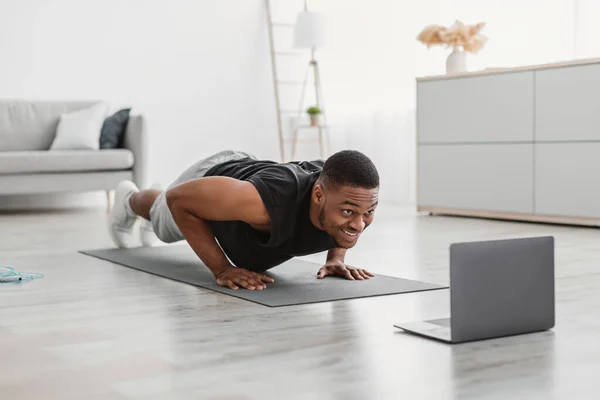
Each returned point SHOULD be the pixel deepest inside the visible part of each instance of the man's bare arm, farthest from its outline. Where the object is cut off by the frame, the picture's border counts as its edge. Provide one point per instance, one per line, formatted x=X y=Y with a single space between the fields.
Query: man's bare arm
x=194 y=203
x=336 y=253
x=219 y=198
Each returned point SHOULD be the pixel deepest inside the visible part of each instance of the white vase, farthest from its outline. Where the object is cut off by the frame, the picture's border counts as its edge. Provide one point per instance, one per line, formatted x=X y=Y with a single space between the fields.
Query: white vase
x=456 y=62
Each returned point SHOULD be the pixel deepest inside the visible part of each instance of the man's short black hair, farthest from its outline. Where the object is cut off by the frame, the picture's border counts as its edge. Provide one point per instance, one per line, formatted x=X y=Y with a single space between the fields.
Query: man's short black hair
x=350 y=168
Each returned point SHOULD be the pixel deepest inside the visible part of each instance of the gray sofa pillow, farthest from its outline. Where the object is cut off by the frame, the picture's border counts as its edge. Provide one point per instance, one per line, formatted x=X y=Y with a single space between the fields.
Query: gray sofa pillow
x=113 y=129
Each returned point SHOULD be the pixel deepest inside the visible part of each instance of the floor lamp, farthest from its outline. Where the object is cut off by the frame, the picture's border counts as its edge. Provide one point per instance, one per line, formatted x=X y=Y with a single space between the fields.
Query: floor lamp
x=310 y=34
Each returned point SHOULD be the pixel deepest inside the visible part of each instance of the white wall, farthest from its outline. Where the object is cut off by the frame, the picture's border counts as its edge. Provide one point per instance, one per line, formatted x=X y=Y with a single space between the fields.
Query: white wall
x=370 y=68
x=198 y=69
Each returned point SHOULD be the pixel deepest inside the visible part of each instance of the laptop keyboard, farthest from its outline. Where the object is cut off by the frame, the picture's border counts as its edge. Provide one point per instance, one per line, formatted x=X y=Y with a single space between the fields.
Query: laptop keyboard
x=441 y=322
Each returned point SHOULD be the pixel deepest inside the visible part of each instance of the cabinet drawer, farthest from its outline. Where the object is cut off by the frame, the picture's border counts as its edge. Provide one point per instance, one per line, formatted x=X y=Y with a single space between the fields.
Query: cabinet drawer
x=476 y=177
x=567 y=179
x=495 y=108
x=567 y=103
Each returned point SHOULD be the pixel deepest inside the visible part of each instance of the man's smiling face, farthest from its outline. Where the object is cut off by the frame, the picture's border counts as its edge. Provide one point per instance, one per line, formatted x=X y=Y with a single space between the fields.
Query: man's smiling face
x=346 y=211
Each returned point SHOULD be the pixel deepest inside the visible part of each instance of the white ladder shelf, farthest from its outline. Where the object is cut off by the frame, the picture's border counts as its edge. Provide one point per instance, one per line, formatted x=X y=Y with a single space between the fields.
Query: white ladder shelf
x=322 y=128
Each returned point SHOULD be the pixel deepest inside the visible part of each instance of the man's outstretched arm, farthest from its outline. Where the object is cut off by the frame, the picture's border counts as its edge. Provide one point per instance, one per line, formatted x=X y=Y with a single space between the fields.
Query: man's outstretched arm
x=336 y=253
x=193 y=204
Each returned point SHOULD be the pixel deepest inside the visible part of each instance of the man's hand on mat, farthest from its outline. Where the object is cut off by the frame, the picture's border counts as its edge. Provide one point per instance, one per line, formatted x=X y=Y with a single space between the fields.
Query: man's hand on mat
x=234 y=277
x=340 y=269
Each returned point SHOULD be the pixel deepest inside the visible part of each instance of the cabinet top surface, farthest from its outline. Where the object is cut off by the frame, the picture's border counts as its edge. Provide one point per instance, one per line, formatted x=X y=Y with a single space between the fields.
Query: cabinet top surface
x=496 y=71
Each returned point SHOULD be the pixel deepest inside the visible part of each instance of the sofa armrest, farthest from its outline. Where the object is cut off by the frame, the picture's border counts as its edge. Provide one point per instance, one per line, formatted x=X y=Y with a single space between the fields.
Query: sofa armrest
x=136 y=140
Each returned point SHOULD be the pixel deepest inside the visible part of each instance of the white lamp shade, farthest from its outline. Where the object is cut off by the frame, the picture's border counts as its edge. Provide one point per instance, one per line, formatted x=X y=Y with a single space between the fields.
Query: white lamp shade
x=310 y=30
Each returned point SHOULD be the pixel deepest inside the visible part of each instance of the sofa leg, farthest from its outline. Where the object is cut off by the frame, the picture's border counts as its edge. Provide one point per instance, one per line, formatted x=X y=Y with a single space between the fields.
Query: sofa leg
x=108 y=205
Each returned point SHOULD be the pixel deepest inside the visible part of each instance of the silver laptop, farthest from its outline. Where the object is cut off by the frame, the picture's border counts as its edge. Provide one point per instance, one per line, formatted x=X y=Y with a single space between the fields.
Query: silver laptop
x=497 y=288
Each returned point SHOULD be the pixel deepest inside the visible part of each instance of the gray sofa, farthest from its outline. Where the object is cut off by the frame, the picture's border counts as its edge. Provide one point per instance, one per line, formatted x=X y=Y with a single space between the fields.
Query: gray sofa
x=28 y=166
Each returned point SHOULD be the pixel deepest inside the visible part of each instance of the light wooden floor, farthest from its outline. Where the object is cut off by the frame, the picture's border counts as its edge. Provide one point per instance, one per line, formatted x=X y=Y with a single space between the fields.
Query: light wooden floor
x=94 y=330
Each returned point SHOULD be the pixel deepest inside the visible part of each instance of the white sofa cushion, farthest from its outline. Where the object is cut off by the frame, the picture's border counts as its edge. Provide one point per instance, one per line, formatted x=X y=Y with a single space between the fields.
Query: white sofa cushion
x=24 y=162
x=80 y=130
x=31 y=125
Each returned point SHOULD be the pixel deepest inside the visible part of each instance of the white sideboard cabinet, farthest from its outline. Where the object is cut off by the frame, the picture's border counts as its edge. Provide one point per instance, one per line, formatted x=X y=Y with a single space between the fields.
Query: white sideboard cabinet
x=519 y=144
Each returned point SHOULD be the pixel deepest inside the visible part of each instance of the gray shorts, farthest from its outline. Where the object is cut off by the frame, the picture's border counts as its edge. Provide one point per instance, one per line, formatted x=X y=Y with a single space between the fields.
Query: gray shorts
x=163 y=224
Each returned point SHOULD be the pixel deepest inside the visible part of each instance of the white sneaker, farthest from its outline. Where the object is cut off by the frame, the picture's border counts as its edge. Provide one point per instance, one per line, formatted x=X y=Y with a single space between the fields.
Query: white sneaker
x=146 y=233
x=121 y=221
x=146 y=230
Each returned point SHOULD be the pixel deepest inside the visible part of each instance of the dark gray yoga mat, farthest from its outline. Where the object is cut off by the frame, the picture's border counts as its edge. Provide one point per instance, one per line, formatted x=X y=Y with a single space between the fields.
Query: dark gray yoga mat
x=295 y=280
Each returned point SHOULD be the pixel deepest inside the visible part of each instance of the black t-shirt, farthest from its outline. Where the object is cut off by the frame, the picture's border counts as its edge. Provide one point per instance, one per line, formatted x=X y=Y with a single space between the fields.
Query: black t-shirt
x=285 y=189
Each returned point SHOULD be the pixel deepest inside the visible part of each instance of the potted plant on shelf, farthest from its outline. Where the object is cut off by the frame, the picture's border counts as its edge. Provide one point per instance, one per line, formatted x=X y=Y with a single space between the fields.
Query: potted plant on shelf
x=315 y=113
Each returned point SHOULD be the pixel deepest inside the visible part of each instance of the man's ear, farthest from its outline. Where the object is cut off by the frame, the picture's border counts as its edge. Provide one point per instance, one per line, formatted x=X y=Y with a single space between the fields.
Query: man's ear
x=318 y=194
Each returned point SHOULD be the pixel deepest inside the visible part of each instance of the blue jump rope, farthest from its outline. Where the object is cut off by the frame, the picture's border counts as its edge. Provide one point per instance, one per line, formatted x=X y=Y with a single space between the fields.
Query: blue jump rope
x=9 y=275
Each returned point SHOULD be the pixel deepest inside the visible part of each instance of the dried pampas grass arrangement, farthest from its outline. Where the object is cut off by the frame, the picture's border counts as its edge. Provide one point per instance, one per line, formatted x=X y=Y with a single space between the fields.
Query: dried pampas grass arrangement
x=458 y=35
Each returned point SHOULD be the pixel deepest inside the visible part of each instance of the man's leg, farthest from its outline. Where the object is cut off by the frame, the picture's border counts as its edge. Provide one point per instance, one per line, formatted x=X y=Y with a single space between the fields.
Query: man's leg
x=122 y=219
x=142 y=204
x=131 y=203
x=162 y=225
x=144 y=212
x=142 y=201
